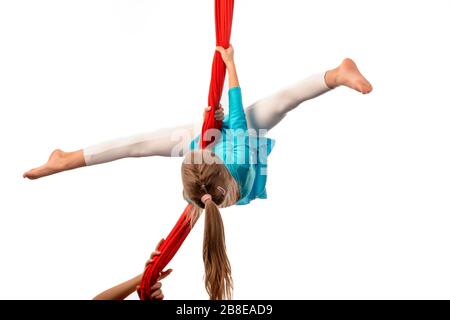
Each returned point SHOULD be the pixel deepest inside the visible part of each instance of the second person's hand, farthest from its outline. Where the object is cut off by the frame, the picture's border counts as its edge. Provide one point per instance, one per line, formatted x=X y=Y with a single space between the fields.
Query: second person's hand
x=156 y=292
x=155 y=253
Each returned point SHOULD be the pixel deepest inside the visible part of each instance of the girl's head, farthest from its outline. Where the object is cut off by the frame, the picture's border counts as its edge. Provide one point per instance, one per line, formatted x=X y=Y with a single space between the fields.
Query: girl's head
x=204 y=174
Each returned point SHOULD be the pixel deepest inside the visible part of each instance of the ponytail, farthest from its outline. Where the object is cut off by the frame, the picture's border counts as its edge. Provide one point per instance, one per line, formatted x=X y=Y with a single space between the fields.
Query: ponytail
x=208 y=186
x=218 y=280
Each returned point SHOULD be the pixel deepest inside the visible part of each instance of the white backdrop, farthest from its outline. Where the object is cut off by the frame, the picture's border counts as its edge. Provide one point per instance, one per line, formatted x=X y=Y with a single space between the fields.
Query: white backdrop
x=358 y=185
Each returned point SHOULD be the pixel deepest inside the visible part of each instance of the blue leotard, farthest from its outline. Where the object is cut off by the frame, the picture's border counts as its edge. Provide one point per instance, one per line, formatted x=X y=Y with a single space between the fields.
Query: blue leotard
x=243 y=153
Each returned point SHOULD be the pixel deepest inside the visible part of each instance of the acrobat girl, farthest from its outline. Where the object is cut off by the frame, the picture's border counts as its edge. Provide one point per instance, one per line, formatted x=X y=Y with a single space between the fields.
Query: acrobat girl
x=238 y=173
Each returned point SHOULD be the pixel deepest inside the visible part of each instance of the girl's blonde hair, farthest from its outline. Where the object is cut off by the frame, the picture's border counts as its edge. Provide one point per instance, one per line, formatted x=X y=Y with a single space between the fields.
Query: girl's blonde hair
x=201 y=177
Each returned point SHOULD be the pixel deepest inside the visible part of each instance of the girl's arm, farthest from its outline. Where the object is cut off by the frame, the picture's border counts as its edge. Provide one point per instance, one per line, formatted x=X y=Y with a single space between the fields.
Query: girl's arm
x=237 y=118
x=228 y=59
x=232 y=75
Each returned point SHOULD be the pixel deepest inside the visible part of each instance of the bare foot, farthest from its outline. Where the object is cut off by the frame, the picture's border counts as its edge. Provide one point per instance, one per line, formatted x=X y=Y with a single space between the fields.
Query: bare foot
x=348 y=74
x=57 y=162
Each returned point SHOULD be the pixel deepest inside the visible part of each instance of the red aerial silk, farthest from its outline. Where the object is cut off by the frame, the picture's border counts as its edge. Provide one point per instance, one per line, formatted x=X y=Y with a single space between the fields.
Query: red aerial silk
x=168 y=249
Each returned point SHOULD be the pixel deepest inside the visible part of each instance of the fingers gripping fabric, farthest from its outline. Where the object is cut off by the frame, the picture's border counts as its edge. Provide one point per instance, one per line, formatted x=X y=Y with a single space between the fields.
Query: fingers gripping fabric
x=168 y=249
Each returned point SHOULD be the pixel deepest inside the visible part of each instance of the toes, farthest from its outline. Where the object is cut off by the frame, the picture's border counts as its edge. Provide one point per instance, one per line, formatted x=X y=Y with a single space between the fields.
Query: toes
x=367 y=89
x=30 y=174
x=35 y=173
x=364 y=87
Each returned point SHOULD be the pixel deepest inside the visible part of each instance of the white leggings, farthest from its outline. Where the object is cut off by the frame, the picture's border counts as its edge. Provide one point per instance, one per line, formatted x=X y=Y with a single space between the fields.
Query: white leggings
x=170 y=142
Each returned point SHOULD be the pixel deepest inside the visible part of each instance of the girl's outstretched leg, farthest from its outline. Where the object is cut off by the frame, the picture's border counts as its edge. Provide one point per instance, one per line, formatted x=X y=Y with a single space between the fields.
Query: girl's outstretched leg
x=267 y=113
x=170 y=142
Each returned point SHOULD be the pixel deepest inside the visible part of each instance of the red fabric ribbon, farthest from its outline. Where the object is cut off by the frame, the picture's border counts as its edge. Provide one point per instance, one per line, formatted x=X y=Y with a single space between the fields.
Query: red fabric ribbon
x=168 y=249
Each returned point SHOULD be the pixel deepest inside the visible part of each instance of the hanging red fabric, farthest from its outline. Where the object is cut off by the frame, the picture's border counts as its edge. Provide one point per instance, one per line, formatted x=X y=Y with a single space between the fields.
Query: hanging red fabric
x=168 y=249
x=224 y=19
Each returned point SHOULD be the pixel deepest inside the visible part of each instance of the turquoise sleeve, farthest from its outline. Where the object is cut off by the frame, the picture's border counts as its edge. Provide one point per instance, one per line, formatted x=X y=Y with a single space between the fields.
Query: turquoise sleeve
x=237 y=118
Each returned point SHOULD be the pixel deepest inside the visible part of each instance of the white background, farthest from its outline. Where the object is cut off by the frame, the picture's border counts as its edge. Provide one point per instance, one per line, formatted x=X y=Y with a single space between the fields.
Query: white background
x=358 y=185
